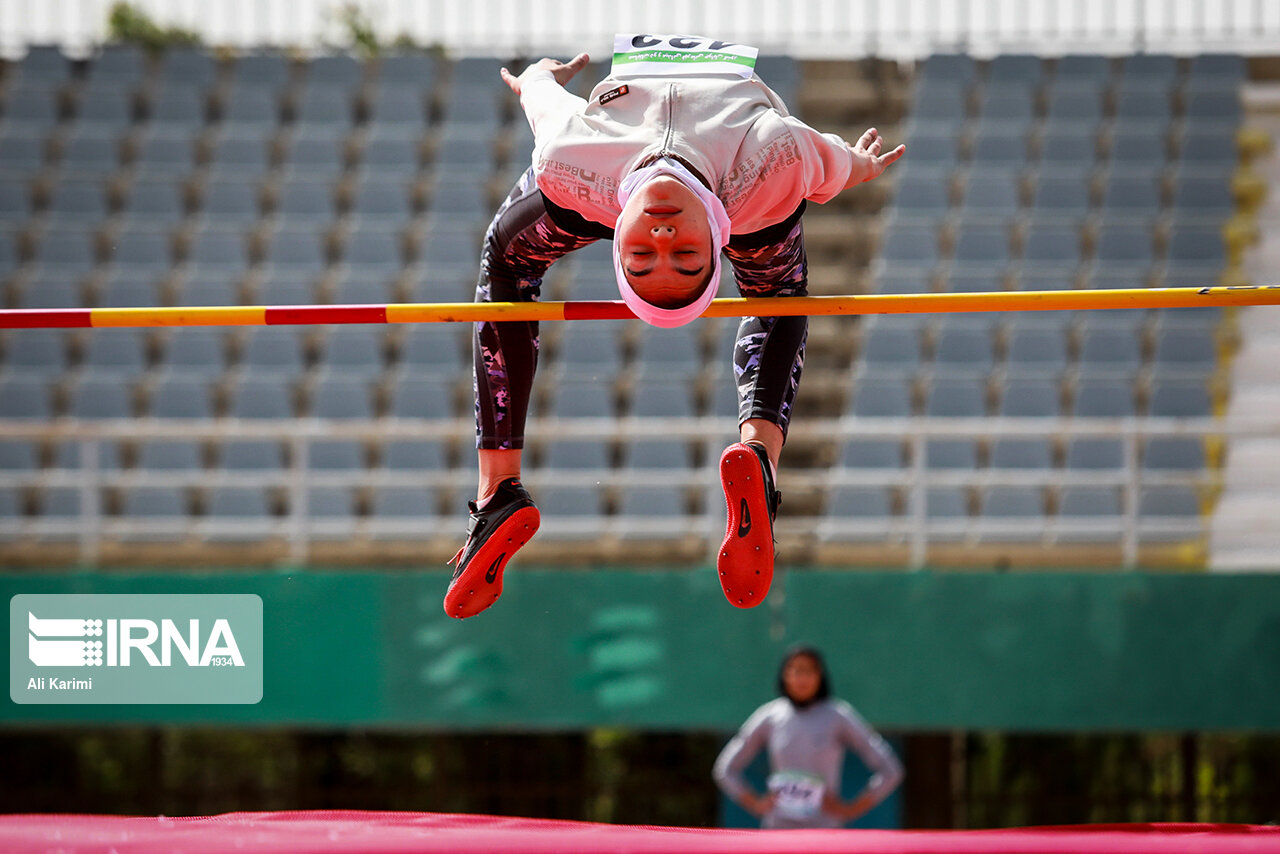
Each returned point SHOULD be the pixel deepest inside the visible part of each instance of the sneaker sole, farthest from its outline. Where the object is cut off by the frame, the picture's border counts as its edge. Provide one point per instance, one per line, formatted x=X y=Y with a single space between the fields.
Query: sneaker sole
x=745 y=560
x=480 y=584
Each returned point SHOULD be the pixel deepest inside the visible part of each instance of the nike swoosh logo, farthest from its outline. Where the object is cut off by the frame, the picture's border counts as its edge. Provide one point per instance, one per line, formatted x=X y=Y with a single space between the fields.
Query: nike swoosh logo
x=492 y=575
x=744 y=526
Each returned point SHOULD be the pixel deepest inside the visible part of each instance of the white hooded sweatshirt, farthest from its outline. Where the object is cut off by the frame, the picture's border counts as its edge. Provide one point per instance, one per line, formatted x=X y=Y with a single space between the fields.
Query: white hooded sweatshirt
x=734 y=132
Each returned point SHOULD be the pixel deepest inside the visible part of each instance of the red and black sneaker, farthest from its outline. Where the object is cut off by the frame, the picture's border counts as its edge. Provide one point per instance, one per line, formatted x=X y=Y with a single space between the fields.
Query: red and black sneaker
x=494 y=534
x=745 y=560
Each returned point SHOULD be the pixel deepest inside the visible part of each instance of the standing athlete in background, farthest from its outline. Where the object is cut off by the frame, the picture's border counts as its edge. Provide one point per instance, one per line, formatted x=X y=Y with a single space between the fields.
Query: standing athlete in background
x=678 y=156
x=806 y=733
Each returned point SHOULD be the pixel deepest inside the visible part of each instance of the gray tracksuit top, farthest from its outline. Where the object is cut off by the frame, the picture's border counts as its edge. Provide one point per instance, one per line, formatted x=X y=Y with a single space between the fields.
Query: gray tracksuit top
x=806 y=751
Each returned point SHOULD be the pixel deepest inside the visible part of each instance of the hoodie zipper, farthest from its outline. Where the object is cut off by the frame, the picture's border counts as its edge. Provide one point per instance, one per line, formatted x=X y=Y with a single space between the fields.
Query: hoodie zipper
x=671 y=120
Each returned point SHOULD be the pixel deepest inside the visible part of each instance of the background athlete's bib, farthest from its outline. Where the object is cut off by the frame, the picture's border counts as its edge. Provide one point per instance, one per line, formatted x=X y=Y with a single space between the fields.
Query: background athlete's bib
x=635 y=54
x=798 y=795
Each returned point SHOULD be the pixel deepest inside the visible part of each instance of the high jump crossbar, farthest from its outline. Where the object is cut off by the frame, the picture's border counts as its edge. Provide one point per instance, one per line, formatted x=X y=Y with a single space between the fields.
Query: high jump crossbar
x=471 y=312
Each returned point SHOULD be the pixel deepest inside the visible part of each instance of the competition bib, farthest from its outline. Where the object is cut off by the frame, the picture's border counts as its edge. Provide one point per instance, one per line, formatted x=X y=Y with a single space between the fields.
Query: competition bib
x=797 y=795
x=642 y=53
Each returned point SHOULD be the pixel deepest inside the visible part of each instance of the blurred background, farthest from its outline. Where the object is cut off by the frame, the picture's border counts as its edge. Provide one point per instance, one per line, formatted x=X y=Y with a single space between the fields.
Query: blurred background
x=1037 y=548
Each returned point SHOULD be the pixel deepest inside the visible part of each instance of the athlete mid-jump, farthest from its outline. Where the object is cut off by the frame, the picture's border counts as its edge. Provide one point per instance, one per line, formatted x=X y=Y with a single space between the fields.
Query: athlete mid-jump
x=681 y=154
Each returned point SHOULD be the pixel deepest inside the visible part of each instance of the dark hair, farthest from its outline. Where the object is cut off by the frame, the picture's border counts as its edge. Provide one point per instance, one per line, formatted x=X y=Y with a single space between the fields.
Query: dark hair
x=824 y=684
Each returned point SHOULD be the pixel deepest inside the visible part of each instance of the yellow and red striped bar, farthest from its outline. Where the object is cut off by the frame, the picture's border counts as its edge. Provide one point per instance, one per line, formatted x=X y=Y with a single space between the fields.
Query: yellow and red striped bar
x=473 y=312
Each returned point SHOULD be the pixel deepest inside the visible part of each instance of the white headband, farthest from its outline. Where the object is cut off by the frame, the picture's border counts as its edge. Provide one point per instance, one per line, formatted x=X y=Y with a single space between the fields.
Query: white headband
x=716 y=216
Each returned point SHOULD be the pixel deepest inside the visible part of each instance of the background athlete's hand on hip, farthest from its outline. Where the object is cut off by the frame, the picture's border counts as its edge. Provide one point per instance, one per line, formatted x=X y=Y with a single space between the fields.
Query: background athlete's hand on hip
x=868 y=162
x=562 y=71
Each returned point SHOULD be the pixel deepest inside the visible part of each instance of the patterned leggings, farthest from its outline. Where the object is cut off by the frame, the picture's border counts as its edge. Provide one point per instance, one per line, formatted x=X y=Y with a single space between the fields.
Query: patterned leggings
x=522 y=242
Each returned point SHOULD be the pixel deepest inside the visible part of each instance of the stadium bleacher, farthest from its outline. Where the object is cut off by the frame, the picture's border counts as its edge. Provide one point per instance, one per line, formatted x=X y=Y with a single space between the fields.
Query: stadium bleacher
x=189 y=179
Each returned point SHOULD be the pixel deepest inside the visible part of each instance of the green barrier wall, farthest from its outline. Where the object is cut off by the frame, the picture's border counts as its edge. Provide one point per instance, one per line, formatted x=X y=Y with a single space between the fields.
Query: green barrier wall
x=663 y=650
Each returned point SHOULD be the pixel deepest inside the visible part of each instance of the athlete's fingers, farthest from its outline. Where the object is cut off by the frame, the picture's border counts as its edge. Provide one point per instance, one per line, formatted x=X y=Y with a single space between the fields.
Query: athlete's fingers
x=886 y=159
x=865 y=139
x=512 y=82
x=578 y=63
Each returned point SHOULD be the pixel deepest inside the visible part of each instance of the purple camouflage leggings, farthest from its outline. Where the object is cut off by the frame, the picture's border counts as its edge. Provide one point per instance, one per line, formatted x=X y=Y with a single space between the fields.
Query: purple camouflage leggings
x=528 y=234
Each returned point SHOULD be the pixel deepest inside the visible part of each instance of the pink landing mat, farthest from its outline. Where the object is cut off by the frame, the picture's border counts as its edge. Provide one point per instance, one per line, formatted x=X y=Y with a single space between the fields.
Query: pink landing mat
x=426 y=833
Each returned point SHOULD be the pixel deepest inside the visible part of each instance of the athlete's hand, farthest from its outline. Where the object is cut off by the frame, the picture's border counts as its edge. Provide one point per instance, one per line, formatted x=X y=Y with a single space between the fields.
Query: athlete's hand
x=868 y=162
x=758 y=805
x=562 y=71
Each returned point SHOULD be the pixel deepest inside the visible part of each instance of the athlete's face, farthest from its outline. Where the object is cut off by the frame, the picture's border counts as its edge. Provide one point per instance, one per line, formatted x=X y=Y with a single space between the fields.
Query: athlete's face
x=664 y=241
x=801 y=678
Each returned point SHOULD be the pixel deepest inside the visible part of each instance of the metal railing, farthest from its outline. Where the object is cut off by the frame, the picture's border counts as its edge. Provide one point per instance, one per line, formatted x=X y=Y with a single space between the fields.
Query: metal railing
x=915 y=528
x=803 y=28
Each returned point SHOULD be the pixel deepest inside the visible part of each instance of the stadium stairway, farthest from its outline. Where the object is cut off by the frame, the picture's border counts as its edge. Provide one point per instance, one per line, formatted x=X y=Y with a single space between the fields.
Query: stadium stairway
x=1243 y=533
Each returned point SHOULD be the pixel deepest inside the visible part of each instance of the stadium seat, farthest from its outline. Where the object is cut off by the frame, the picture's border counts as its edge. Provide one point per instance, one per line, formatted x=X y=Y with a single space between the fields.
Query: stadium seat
x=1034 y=346
x=90 y=153
x=1024 y=396
x=182 y=395
x=853 y=504
x=434 y=350
x=353 y=349
x=951 y=454
x=346 y=455
x=398 y=105
x=382 y=202
x=570 y=512
x=575 y=454
x=872 y=454
x=262 y=396
x=373 y=251
x=1094 y=454
x=880 y=398
x=413 y=455
x=192 y=66
x=25 y=397
x=79 y=200
x=164 y=156
x=238 y=513
x=391 y=156
x=1179 y=501
x=402 y=512
x=36 y=353
x=658 y=396
x=101 y=396
x=306 y=201
x=590 y=347
x=1173 y=453
x=154 y=503
x=662 y=454
x=1013 y=502
x=219 y=249
x=177 y=110
x=1180 y=398
x=250 y=111
x=331 y=512
x=1110 y=349
x=342 y=395
x=964 y=349
x=275 y=350
x=296 y=251
x=261 y=455
x=170 y=455
x=1103 y=398
x=1191 y=349
x=19 y=455
x=891 y=344
x=1032 y=453
x=416 y=396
